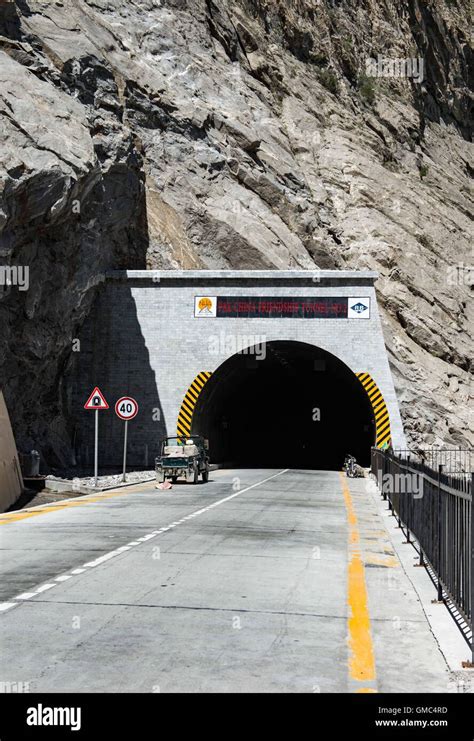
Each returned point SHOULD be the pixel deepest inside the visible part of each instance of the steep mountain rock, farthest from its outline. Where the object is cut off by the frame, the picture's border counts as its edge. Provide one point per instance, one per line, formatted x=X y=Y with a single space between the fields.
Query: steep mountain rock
x=246 y=134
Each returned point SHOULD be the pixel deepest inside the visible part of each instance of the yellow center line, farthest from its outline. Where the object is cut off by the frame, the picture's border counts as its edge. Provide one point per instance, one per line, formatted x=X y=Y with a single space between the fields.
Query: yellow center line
x=361 y=657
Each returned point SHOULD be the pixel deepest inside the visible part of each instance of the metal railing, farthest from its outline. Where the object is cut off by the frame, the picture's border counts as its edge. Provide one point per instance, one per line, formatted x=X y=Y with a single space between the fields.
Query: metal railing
x=434 y=507
x=453 y=460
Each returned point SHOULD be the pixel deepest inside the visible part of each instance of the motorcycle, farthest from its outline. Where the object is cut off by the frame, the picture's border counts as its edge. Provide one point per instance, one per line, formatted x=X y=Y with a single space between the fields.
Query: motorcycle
x=350 y=467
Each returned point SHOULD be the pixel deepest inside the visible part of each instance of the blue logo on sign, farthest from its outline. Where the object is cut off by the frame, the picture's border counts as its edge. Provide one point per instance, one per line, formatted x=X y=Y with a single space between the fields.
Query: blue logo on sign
x=359 y=308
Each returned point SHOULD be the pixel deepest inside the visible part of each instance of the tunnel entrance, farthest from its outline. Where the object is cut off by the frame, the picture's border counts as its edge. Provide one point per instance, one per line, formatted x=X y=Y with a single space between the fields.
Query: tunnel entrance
x=285 y=404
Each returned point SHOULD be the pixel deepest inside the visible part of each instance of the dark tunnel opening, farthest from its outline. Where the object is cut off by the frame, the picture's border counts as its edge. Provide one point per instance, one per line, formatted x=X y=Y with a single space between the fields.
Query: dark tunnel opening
x=285 y=404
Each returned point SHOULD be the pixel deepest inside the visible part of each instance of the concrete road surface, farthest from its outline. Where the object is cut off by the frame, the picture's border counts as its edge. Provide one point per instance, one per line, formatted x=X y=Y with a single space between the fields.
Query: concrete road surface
x=260 y=580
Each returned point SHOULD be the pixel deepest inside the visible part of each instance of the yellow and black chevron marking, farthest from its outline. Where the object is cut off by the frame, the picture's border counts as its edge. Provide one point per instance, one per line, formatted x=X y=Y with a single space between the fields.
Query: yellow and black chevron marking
x=382 y=421
x=185 y=416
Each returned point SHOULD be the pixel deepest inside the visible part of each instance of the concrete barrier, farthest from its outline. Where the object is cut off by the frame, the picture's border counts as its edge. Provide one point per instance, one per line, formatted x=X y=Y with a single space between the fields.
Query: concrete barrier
x=11 y=482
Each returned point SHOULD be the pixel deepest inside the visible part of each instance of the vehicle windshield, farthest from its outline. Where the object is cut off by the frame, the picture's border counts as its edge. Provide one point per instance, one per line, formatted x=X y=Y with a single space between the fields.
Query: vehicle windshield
x=181 y=441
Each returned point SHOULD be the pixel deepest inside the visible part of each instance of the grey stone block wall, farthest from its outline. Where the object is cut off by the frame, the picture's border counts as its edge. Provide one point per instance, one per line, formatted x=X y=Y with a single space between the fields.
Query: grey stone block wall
x=143 y=340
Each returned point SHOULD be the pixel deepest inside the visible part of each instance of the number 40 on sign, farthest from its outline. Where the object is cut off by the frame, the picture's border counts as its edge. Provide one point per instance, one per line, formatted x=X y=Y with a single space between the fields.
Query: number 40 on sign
x=126 y=408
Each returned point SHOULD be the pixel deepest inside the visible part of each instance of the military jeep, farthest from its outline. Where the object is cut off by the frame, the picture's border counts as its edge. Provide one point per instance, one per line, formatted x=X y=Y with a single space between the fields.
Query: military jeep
x=183 y=456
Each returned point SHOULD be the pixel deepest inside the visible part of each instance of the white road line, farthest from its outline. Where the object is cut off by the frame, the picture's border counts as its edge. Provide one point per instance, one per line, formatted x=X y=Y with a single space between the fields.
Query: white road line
x=101 y=559
x=44 y=587
x=4 y=606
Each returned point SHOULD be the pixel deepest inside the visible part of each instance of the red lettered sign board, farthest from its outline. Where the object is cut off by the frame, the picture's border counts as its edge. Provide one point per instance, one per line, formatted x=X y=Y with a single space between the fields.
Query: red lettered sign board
x=272 y=307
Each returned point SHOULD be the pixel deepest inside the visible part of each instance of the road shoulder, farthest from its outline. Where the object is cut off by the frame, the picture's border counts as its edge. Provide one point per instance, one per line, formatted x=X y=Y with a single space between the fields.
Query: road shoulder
x=407 y=622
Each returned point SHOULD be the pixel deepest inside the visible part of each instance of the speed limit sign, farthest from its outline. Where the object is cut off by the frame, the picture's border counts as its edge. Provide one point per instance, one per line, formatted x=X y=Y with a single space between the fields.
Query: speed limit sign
x=126 y=408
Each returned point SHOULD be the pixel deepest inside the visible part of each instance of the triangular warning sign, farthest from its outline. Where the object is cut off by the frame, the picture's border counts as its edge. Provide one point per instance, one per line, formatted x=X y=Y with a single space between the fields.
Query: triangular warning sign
x=96 y=400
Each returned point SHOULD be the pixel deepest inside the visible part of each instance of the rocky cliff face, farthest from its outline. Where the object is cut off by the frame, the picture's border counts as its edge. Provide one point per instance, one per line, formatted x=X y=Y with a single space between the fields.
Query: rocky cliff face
x=244 y=134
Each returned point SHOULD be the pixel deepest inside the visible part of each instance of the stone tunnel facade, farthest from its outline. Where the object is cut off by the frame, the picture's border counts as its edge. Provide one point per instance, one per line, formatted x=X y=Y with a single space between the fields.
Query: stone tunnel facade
x=161 y=336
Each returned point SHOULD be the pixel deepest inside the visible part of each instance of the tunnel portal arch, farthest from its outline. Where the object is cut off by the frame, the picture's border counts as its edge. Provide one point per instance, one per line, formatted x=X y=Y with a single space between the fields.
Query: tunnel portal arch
x=284 y=403
x=167 y=338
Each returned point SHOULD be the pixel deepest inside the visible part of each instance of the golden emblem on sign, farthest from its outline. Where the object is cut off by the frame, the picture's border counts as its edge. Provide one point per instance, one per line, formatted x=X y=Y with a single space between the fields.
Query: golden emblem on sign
x=205 y=305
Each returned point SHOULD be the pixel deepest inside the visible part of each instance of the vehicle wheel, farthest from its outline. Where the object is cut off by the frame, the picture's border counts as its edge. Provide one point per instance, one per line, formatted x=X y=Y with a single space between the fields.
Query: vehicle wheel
x=196 y=475
x=205 y=475
x=174 y=479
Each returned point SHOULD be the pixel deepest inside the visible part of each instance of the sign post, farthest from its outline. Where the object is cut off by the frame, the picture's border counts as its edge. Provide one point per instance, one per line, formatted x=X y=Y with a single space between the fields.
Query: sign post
x=96 y=447
x=96 y=402
x=126 y=408
x=124 y=471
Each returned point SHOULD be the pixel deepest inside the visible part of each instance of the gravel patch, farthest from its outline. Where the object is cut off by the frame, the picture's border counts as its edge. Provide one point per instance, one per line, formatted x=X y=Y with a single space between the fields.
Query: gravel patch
x=104 y=482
